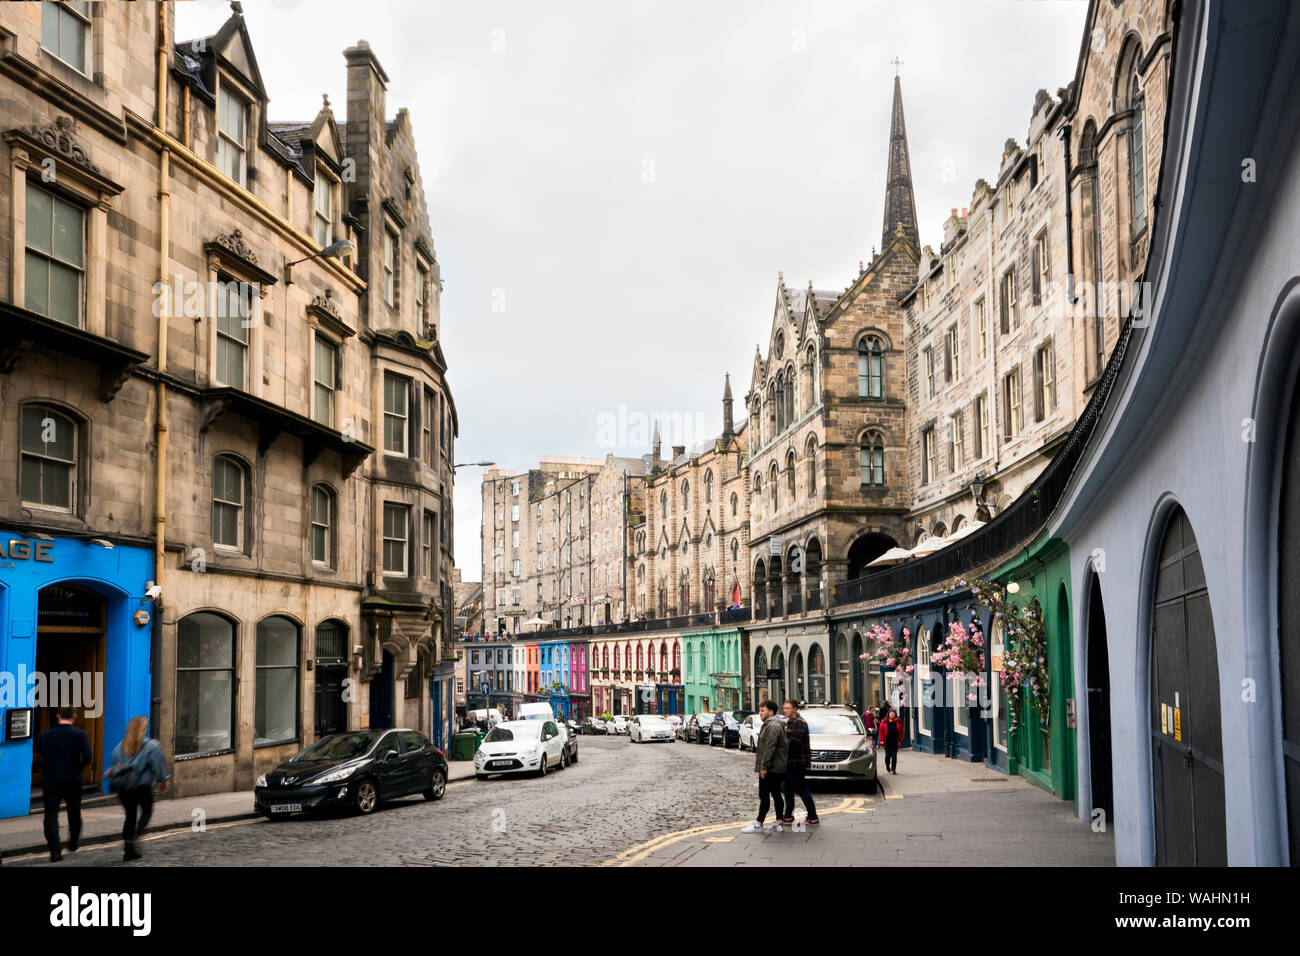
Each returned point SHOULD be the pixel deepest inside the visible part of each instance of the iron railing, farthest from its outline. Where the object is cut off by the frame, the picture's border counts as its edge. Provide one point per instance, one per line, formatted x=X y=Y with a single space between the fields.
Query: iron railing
x=1015 y=526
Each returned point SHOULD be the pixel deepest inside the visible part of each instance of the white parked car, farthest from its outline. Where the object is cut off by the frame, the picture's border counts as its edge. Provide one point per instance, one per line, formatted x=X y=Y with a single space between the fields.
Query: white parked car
x=749 y=730
x=521 y=746
x=650 y=727
x=543 y=711
x=619 y=724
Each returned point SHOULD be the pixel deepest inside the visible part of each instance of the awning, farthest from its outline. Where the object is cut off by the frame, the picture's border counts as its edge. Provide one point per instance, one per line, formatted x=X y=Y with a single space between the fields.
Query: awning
x=892 y=556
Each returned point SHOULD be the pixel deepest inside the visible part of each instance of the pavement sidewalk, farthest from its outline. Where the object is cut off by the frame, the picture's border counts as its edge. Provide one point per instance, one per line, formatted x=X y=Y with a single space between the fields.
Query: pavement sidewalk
x=933 y=812
x=101 y=816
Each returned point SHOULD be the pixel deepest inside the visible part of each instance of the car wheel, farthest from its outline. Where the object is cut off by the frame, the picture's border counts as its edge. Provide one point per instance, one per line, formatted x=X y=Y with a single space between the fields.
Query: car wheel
x=541 y=770
x=437 y=786
x=573 y=757
x=366 y=797
x=564 y=759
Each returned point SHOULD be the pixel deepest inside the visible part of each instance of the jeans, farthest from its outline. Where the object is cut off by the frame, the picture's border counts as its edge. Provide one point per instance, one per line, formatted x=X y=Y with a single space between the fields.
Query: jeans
x=891 y=759
x=52 y=793
x=140 y=798
x=796 y=783
x=769 y=787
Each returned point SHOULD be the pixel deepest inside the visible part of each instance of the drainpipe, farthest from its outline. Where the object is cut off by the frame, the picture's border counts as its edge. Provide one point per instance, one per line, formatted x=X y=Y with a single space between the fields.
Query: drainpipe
x=160 y=421
x=993 y=352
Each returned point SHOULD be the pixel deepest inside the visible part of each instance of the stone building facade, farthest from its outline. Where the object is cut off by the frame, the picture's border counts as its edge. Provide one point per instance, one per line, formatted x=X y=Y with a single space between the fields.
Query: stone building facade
x=239 y=405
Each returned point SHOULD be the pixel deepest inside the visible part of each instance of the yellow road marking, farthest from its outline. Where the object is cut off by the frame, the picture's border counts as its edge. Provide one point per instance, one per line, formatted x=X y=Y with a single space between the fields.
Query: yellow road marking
x=718 y=839
x=642 y=850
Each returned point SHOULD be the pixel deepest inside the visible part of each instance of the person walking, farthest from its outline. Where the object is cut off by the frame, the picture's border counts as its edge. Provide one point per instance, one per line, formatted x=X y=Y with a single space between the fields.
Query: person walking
x=869 y=723
x=65 y=752
x=891 y=738
x=796 y=765
x=137 y=765
x=769 y=763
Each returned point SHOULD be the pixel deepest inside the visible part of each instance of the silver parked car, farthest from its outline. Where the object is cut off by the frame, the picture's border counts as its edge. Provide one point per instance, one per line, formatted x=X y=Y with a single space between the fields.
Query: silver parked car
x=839 y=746
x=649 y=727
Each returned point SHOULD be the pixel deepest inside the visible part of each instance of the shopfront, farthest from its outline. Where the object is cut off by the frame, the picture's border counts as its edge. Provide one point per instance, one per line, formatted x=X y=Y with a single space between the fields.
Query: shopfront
x=75 y=631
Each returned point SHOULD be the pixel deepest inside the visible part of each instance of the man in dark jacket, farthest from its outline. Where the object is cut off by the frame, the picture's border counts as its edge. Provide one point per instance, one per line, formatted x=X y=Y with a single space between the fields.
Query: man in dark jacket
x=64 y=750
x=796 y=765
x=769 y=764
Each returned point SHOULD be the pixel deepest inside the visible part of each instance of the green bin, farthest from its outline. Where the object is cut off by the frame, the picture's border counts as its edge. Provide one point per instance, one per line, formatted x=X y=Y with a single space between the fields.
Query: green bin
x=463 y=745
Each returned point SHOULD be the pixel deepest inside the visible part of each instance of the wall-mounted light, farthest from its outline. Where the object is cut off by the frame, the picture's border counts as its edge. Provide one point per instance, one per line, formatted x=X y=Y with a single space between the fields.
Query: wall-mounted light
x=335 y=250
x=1013 y=587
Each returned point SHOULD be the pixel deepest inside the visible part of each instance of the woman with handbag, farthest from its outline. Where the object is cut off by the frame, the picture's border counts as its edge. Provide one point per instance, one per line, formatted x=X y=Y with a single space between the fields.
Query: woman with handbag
x=137 y=765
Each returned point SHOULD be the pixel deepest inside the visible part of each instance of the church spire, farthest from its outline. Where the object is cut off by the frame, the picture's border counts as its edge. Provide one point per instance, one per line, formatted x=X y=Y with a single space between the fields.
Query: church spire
x=900 y=203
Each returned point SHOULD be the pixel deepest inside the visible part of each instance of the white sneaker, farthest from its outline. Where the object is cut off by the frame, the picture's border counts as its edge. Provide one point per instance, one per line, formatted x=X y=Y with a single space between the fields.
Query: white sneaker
x=775 y=828
x=753 y=828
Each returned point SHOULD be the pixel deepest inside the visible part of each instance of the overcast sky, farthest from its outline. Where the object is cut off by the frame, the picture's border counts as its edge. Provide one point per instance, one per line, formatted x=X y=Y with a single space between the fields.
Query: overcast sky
x=612 y=187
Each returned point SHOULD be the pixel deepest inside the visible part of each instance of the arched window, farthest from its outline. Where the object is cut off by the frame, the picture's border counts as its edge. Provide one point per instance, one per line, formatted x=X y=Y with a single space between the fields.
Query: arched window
x=322 y=525
x=229 y=487
x=663 y=505
x=677 y=655
x=1137 y=154
x=205 y=683
x=735 y=551
x=686 y=496
x=810 y=379
x=789 y=395
x=604 y=657
x=871 y=368
x=812 y=467
x=640 y=658
x=789 y=476
x=708 y=487
x=709 y=594
x=872 y=459
x=276 y=693
x=616 y=646
x=663 y=657
x=781 y=420
x=735 y=504
x=772 y=483
x=49 y=458
x=757 y=500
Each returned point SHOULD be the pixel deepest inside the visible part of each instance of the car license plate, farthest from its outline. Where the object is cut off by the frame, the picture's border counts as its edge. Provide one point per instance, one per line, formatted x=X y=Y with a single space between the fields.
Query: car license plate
x=498 y=763
x=287 y=808
x=826 y=766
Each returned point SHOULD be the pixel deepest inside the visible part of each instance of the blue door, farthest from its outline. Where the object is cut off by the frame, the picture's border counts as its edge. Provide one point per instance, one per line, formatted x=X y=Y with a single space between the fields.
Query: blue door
x=435 y=696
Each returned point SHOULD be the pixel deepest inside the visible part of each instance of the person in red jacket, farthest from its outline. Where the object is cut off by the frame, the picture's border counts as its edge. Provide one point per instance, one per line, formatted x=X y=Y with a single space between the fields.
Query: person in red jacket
x=891 y=738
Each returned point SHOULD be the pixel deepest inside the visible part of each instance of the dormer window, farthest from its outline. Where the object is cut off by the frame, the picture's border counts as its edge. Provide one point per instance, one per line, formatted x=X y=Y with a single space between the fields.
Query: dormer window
x=65 y=32
x=232 y=133
x=324 y=209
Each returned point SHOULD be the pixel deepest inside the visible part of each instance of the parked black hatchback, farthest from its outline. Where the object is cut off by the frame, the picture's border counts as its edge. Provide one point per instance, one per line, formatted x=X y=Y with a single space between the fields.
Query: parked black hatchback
x=356 y=769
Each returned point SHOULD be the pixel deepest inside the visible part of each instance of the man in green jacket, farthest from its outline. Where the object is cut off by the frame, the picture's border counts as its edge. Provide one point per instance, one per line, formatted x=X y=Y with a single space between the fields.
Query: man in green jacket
x=769 y=764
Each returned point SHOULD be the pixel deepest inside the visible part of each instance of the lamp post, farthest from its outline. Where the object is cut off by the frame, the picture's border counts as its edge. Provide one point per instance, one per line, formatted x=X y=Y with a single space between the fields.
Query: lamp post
x=335 y=250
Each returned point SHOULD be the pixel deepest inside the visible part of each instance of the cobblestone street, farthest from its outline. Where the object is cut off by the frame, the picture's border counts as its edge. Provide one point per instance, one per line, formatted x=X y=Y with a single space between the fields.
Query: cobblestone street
x=662 y=805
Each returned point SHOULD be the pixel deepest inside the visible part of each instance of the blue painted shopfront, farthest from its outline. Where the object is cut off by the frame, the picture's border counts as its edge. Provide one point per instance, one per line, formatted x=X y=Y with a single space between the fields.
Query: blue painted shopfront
x=67 y=603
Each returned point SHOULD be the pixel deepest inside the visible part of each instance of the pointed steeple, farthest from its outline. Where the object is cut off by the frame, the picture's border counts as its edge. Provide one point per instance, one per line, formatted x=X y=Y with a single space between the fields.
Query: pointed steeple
x=900 y=203
x=727 y=426
x=656 y=449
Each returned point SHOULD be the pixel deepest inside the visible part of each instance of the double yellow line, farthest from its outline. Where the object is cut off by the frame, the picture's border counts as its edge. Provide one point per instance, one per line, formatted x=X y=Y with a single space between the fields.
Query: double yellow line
x=642 y=850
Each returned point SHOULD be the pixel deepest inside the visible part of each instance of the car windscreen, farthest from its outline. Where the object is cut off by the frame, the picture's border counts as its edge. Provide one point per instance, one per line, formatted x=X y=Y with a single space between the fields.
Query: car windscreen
x=652 y=721
x=841 y=724
x=338 y=747
x=499 y=734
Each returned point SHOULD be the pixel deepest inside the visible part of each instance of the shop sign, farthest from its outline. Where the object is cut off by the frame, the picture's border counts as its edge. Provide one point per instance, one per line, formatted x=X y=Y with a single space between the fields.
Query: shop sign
x=20 y=549
x=18 y=724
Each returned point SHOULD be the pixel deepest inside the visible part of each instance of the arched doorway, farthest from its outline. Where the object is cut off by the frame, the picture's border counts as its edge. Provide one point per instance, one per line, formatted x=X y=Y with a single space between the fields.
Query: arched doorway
x=760 y=589
x=70 y=652
x=381 y=694
x=1099 y=704
x=776 y=688
x=817 y=675
x=844 y=669
x=797 y=686
x=331 y=671
x=813 y=575
x=760 y=677
x=1186 y=722
x=865 y=550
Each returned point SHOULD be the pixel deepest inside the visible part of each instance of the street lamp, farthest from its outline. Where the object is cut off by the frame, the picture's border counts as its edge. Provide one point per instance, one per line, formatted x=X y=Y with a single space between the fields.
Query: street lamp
x=335 y=250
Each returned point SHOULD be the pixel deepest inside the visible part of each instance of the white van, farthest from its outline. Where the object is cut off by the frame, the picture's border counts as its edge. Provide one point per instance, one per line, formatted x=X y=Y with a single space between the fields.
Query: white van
x=543 y=711
x=491 y=715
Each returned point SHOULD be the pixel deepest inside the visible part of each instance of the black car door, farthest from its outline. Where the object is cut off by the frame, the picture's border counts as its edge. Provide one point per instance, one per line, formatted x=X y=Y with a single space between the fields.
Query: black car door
x=389 y=771
x=418 y=757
